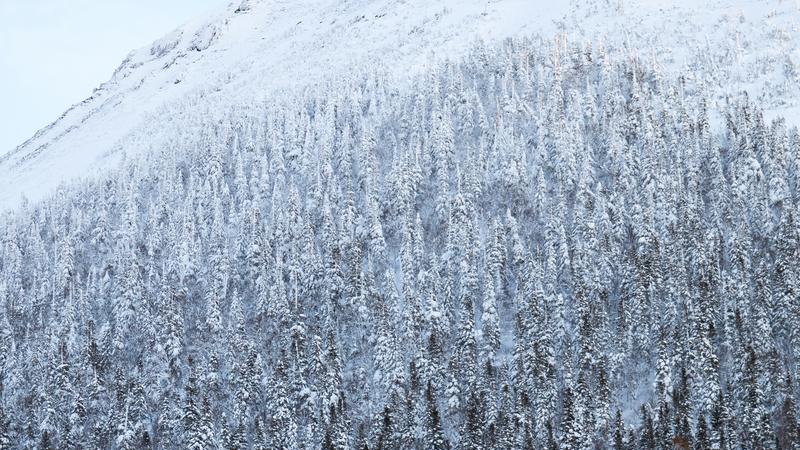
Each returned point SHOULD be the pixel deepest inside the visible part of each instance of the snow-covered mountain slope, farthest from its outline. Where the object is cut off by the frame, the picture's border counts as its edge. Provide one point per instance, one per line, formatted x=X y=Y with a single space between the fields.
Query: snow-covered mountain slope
x=321 y=236
x=255 y=48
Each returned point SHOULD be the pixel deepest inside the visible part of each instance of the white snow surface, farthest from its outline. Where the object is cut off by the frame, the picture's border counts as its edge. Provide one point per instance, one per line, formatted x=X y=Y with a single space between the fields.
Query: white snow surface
x=256 y=49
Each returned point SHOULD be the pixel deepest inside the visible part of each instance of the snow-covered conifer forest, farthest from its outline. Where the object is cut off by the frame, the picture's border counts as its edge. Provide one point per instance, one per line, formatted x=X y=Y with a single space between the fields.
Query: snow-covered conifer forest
x=537 y=246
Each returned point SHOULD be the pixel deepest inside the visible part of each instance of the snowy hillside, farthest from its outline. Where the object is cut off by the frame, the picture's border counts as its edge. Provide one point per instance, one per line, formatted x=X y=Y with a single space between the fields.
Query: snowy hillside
x=253 y=49
x=352 y=225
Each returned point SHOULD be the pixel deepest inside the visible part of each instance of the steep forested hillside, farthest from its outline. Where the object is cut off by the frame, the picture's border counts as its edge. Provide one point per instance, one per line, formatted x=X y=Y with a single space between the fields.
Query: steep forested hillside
x=539 y=246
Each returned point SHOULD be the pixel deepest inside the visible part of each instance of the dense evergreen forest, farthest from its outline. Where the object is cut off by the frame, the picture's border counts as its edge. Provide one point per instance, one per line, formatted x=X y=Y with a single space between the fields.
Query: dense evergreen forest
x=538 y=247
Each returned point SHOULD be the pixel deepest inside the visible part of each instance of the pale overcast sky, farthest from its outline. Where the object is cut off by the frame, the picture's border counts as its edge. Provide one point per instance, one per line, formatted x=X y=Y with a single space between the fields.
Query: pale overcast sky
x=53 y=53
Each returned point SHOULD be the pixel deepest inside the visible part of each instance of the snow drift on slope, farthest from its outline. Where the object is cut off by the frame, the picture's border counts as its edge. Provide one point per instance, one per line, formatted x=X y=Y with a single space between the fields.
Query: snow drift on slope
x=254 y=48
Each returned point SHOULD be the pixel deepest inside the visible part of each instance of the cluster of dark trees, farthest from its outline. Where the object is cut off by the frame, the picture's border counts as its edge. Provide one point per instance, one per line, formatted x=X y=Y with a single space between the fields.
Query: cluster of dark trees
x=539 y=247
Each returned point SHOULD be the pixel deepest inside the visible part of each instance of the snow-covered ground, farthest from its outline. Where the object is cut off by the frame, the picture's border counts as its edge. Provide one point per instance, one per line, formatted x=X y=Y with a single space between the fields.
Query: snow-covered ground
x=256 y=48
